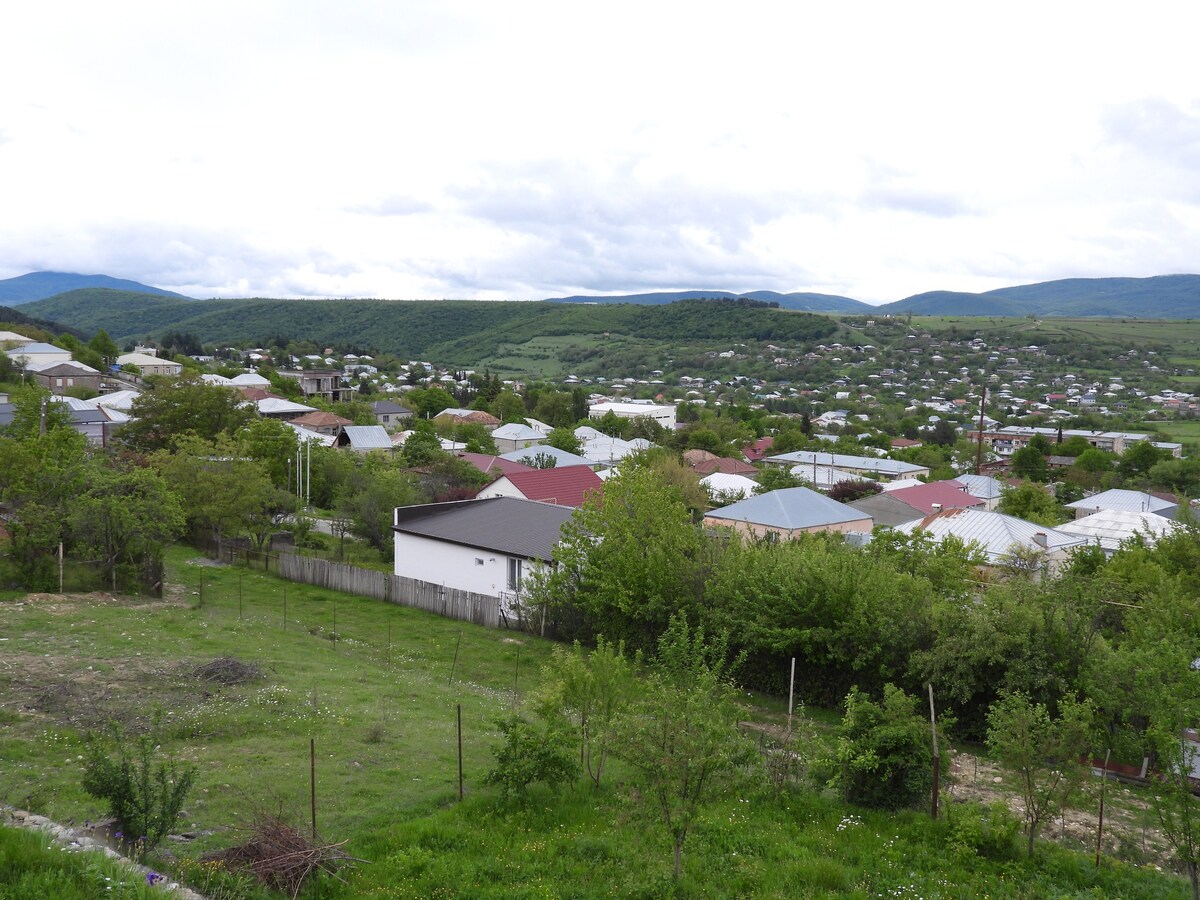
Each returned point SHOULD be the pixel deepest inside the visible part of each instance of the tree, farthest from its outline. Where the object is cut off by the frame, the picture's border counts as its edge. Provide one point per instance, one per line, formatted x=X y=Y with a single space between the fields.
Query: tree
x=774 y=478
x=1029 y=463
x=105 y=346
x=221 y=491
x=369 y=500
x=628 y=560
x=1032 y=503
x=594 y=689
x=1138 y=459
x=1043 y=752
x=168 y=413
x=681 y=733
x=884 y=756
x=124 y=518
x=564 y=439
x=508 y=407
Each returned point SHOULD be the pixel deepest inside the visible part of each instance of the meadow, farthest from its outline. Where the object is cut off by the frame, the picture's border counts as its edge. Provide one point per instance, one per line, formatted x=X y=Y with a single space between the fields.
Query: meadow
x=376 y=688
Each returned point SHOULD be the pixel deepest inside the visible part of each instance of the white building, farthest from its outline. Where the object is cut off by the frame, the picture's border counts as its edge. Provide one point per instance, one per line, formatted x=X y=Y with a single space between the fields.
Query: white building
x=662 y=413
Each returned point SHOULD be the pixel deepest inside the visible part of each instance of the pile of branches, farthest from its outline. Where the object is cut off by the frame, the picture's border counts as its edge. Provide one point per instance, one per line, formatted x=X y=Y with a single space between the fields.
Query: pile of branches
x=282 y=857
x=228 y=670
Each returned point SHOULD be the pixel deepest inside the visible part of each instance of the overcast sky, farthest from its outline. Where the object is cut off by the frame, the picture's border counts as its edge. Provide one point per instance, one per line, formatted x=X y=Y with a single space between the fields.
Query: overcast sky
x=527 y=150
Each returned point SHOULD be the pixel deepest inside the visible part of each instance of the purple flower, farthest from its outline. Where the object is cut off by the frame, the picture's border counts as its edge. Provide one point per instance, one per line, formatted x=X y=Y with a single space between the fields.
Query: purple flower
x=118 y=835
x=153 y=878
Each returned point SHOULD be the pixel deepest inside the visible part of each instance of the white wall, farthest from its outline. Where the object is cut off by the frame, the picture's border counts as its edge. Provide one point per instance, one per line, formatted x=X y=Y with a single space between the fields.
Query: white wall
x=452 y=565
x=501 y=487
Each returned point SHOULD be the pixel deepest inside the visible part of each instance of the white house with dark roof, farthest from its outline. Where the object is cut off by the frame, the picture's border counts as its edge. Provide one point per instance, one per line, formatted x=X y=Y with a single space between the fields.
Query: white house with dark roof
x=482 y=546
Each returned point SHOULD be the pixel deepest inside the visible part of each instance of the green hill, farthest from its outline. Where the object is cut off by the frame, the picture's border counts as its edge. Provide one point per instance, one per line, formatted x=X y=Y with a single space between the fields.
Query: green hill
x=453 y=331
x=807 y=302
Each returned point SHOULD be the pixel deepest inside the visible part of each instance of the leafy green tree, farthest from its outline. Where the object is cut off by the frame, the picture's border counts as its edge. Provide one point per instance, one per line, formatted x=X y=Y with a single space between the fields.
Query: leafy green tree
x=775 y=478
x=104 y=346
x=168 y=413
x=594 y=689
x=124 y=517
x=221 y=491
x=1094 y=461
x=370 y=499
x=1029 y=463
x=421 y=447
x=1031 y=503
x=532 y=751
x=1043 y=752
x=1138 y=459
x=428 y=402
x=628 y=560
x=884 y=754
x=1181 y=476
x=1041 y=444
x=564 y=439
x=508 y=407
x=273 y=445
x=681 y=732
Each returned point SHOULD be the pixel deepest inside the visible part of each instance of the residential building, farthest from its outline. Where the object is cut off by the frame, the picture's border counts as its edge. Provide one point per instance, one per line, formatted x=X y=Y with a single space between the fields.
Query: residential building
x=787 y=513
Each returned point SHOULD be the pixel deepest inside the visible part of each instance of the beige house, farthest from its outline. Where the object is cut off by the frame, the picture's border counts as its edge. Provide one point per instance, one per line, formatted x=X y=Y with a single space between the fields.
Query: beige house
x=150 y=365
x=787 y=513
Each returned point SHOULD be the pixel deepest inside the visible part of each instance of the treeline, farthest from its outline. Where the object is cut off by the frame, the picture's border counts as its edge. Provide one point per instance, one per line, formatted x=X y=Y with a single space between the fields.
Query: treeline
x=451 y=331
x=902 y=611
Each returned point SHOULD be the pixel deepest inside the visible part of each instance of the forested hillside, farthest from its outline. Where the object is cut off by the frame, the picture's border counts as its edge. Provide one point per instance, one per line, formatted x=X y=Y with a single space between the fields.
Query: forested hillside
x=454 y=331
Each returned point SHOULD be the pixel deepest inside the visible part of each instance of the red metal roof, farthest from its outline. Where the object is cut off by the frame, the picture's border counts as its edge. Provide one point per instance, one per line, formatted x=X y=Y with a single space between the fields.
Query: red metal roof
x=564 y=486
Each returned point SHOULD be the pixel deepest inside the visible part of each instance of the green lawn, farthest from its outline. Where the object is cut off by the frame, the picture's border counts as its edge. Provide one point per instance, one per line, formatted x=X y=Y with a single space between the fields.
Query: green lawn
x=371 y=685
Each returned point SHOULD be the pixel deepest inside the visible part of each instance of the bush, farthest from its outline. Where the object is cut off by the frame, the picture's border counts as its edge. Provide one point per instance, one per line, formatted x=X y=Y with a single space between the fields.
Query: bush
x=144 y=792
x=988 y=831
x=884 y=759
x=530 y=753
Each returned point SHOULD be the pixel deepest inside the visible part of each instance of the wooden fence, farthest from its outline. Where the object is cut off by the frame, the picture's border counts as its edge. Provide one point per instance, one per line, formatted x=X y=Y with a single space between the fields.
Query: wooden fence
x=435 y=598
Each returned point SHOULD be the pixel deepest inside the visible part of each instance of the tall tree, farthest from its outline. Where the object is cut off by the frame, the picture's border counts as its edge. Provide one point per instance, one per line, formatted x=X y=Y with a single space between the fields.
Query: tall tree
x=1042 y=751
x=125 y=518
x=681 y=733
x=168 y=413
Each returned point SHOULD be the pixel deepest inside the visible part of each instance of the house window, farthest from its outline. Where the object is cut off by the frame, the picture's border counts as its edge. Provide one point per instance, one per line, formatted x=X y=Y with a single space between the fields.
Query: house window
x=58 y=382
x=514 y=574
x=70 y=382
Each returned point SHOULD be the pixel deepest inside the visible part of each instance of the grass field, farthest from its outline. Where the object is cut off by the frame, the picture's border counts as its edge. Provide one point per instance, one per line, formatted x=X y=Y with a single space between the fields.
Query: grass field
x=371 y=685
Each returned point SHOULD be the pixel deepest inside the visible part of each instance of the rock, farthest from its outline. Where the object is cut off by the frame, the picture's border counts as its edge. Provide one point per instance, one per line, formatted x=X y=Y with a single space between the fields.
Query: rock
x=997 y=780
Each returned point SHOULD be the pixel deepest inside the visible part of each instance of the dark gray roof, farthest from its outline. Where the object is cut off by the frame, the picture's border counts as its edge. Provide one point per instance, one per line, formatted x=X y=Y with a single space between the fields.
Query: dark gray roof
x=507 y=525
x=389 y=407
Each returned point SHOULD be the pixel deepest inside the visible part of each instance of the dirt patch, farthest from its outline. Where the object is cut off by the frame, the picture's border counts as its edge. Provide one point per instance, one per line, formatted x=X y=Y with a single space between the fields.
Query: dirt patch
x=62 y=603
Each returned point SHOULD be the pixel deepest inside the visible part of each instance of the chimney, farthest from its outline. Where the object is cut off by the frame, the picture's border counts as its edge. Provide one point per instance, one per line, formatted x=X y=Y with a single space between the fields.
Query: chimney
x=1040 y=539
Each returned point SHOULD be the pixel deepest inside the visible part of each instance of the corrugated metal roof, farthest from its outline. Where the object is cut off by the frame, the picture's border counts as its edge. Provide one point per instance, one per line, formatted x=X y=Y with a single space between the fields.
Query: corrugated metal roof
x=523 y=528
x=788 y=508
x=1129 y=501
x=936 y=495
x=562 y=485
x=1112 y=527
x=561 y=457
x=995 y=533
x=985 y=487
x=366 y=437
x=878 y=465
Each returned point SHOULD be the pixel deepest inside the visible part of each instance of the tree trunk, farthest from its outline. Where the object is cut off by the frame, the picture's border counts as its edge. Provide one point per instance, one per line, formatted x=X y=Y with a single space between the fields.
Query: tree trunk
x=1031 y=834
x=1194 y=871
x=679 y=858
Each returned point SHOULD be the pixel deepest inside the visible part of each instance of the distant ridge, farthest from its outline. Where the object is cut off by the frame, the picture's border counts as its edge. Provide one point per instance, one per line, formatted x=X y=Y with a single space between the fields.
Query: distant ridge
x=40 y=285
x=807 y=302
x=1156 y=297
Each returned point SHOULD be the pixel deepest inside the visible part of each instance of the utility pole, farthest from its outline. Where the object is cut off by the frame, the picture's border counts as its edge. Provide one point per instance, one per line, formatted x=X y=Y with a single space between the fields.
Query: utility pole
x=979 y=436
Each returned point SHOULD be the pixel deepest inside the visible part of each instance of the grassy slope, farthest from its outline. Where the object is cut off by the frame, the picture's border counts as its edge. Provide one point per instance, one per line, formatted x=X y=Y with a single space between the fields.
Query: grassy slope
x=384 y=731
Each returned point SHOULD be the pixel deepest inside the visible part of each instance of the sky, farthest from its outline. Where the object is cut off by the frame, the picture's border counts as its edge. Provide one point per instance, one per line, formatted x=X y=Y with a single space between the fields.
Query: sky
x=521 y=150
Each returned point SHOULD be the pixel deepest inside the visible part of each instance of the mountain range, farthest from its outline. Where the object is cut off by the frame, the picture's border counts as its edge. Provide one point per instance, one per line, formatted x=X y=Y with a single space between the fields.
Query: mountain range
x=40 y=285
x=1158 y=297
x=1161 y=297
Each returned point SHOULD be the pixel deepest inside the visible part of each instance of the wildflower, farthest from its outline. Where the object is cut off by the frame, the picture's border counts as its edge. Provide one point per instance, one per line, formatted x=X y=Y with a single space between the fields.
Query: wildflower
x=153 y=878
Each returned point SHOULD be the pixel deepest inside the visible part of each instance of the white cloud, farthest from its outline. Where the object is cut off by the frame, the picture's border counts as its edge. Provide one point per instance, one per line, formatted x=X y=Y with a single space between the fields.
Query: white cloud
x=530 y=149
